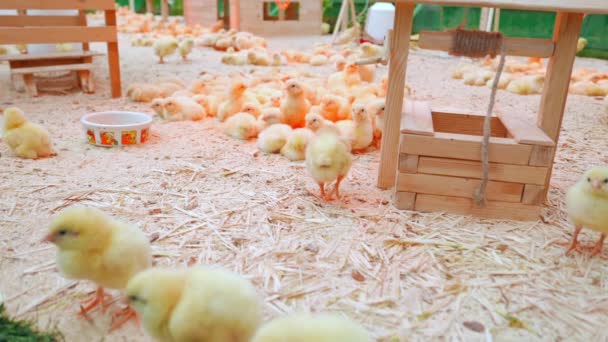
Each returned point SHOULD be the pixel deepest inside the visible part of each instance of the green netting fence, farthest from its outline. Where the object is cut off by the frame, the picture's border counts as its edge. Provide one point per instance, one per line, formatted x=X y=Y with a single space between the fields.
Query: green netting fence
x=513 y=23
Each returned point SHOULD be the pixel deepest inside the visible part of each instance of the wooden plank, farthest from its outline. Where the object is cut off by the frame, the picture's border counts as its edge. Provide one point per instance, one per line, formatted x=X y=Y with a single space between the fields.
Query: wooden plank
x=579 y=6
x=472 y=169
x=458 y=146
x=533 y=194
x=404 y=200
x=32 y=70
x=466 y=123
x=457 y=187
x=528 y=47
x=113 y=57
x=524 y=132
x=50 y=55
x=58 y=4
x=54 y=35
x=557 y=81
x=408 y=163
x=542 y=156
x=465 y=206
x=38 y=20
x=417 y=118
x=389 y=154
x=30 y=85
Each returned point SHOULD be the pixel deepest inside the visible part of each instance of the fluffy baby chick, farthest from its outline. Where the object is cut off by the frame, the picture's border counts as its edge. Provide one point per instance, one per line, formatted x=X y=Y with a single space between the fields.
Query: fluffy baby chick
x=580 y=44
x=367 y=72
x=328 y=159
x=185 y=47
x=252 y=108
x=295 y=147
x=234 y=103
x=503 y=82
x=318 y=60
x=165 y=47
x=316 y=123
x=587 y=206
x=463 y=69
x=335 y=108
x=242 y=126
x=295 y=106
x=526 y=85
x=209 y=102
x=180 y=108
x=478 y=77
x=94 y=246
x=312 y=328
x=273 y=138
x=325 y=28
x=375 y=109
x=352 y=75
x=26 y=140
x=587 y=88
x=143 y=92
x=369 y=50
x=158 y=106
x=271 y=116
x=359 y=131
x=195 y=304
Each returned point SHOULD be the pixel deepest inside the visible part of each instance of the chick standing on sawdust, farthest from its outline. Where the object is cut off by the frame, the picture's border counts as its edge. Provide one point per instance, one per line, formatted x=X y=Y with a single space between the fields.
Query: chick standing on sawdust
x=295 y=106
x=165 y=47
x=27 y=140
x=195 y=304
x=273 y=138
x=328 y=159
x=93 y=246
x=185 y=47
x=241 y=126
x=359 y=131
x=158 y=106
x=234 y=103
x=587 y=206
x=312 y=328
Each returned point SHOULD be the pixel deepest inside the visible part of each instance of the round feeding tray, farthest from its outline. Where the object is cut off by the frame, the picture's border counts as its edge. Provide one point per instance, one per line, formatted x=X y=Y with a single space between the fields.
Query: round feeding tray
x=116 y=128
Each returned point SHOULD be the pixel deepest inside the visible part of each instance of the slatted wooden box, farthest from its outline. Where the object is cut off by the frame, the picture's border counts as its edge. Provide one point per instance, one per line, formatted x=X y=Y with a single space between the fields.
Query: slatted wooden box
x=440 y=163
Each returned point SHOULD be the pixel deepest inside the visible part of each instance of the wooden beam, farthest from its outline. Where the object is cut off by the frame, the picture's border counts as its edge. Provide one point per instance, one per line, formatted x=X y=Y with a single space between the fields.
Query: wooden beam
x=113 y=58
x=404 y=200
x=52 y=68
x=446 y=121
x=55 y=35
x=529 y=47
x=524 y=132
x=458 y=146
x=58 y=4
x=417 y=118
x=51 y=55
x=472 y=169
x=465 y=206
x=38 y=20
x=389 y=154
x=408 y=163
x=457 y=187
x=555 y=91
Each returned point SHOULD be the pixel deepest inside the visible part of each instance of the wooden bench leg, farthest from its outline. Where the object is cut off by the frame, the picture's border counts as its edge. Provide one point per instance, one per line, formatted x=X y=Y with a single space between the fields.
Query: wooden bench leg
x=86 y=81
x=30 y=84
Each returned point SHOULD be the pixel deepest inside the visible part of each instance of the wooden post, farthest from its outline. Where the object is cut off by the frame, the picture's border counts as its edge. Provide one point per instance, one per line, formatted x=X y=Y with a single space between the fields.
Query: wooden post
x=497 y=21
x=555 y=91
x=164 y=9
x=113 y=58
x=343 y=11
x=150 y=6
x=82 y=19
x=400 y=46
x=235 y=14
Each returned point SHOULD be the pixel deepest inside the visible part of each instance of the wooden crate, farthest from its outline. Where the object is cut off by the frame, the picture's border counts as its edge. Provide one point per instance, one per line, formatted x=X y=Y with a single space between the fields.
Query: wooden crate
x=440 y=166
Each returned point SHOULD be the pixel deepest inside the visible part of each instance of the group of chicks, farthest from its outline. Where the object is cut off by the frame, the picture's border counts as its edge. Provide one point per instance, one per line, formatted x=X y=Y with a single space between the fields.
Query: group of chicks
x=291 y=113
x=197 y=303
x=525 y=78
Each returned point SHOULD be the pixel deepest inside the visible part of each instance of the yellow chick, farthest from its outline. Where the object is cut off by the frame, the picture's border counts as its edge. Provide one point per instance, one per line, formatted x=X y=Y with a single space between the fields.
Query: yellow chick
x=295 y=147
x=316 y=122
x=273 y=138
x=64 y=47
x=165 y=47
x=242 y=126
x=295 y=106
x=477 y=78
x=367 y=73
x=526 y=85
x=271 y=116
x=587 y=88
x=328 y=159
x=26 y=140
x=581 y=44
x=195 y=304
x=318 y=60
x=587 y=206
x=352 y=75
x=158 y=106
x=359 y=131
x=209 y=102
x=335 y=108
x=143 y=92
x=94 y=246
x=325 y=28
x=376 y=109
x=369 y=50
x=252 y=108
x=179 y=108
x=185 y=47
x=312 y=328
x=503 y=82
x=234 y=103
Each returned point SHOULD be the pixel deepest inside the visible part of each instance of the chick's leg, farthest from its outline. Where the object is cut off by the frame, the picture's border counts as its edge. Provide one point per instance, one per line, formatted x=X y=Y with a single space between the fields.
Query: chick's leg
x=100 y=298
x=598 y=246
x=337 y=187
x=123 y=316
x=574 y=242
x=322 y=187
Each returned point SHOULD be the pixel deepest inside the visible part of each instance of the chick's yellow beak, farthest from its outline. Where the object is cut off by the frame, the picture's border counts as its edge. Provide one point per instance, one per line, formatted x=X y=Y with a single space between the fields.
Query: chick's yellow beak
x=49 y=238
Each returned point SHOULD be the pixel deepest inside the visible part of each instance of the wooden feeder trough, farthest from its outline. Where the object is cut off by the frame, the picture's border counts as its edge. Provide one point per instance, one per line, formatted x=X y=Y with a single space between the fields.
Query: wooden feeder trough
x=437 y=152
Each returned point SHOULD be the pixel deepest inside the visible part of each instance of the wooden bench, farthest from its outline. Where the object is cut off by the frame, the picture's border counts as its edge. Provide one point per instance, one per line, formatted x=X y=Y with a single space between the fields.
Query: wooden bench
x=53 y=29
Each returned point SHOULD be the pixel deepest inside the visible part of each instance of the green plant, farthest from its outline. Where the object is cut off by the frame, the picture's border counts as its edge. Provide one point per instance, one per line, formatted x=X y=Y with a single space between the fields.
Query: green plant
x=23 y=331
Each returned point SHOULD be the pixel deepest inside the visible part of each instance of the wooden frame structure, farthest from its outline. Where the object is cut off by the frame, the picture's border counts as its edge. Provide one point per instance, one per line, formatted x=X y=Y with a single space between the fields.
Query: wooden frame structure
x=249 y=15
x=430 y=156
x=28 y=29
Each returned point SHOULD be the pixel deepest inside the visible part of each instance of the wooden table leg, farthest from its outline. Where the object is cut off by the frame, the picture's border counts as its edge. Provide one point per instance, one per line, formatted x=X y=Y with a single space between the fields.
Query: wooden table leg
x=555 y=91
x=86 y=81
x=30 y=84
x=164 y=9
x=400 y=46
x=113 y=59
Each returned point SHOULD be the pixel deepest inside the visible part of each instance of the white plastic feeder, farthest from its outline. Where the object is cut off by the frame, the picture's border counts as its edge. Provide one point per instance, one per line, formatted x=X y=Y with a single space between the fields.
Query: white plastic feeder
x=380 y=19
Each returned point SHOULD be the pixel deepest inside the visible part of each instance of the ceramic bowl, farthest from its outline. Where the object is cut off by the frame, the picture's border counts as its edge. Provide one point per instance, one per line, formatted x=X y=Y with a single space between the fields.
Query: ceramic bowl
x=116 y=128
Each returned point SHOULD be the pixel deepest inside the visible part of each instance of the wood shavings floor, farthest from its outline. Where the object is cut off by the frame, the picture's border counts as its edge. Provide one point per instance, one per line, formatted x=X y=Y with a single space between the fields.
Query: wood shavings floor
x=211 y=199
